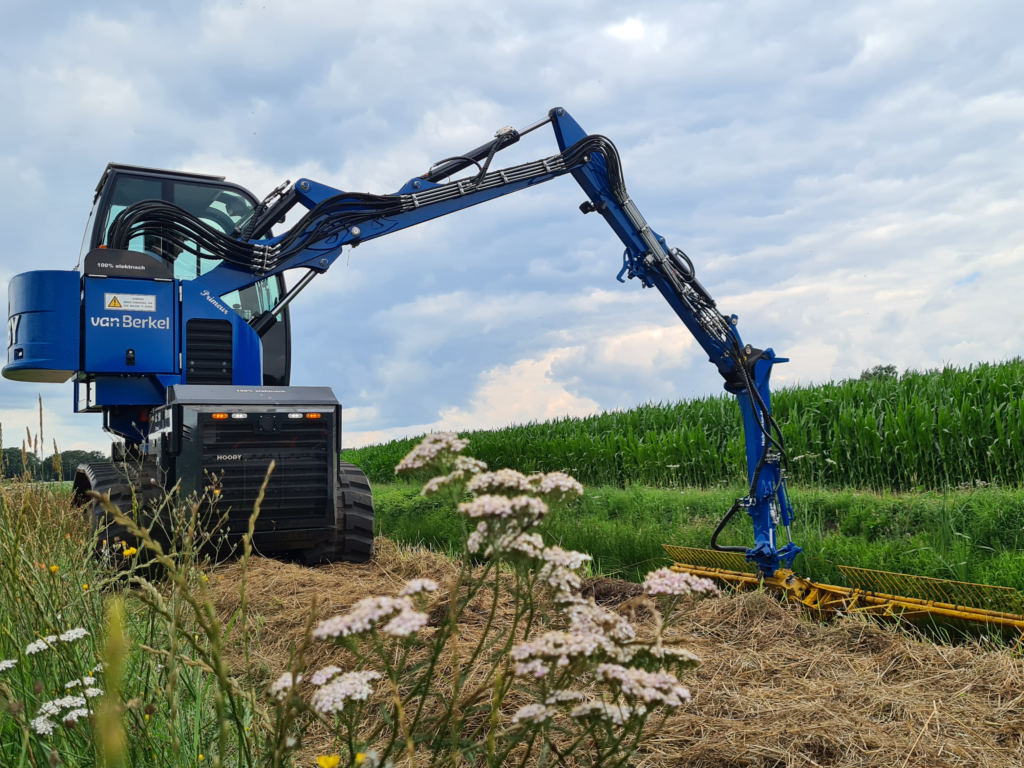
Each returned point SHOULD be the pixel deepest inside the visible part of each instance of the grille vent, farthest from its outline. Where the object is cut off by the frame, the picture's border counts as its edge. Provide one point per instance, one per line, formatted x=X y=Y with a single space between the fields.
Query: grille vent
x=208 y=352
x=301 y=485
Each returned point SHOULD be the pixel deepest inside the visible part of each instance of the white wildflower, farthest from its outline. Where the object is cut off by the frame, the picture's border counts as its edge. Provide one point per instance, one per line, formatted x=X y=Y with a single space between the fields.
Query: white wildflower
x=362 y=616
x=74 y=715
x=679 y=655
x=529 y=544
x=98 y=667
x=559 y=647
x=74 y=634
x=560 y=697
x=291 y=742
x=564 y=558
x=562 y=580
x=648 y=687
x=464 y=466
x=72 y=684
x=617 y=714
x=88 y=681
x=7 y=664
x=49 y=709
x=43 y=726
x=352 y=686
x=469 y=464
x=536 y=668
x=477 y=538
x=92 y=693
x=665 y=581
x=557 y=487
x=591 y=618
x=41 y=645
x=419 y=585
x=523 y=507
x=282 y=685
x=322 y=676
x=504 y=482
x=429 y=449
x=406 y=623
x=534 y=713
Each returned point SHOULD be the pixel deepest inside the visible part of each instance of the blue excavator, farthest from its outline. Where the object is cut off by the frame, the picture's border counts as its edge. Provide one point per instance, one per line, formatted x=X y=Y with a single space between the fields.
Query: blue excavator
x=176 y=328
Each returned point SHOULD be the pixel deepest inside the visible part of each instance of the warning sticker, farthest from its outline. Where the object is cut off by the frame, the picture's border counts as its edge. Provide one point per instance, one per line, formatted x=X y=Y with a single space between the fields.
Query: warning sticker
x=133 y=302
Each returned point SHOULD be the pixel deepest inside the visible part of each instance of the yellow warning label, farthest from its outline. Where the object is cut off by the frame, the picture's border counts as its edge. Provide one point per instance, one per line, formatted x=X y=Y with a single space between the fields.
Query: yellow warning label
x=114 y=303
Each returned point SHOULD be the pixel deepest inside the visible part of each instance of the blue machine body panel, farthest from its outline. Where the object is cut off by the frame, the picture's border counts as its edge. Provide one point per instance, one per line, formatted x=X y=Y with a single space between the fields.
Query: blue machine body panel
x=130 y=326
x=199 y=302
x=43 y=326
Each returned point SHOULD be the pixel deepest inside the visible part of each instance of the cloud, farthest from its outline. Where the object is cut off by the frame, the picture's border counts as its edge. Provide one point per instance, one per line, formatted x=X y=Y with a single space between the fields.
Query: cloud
x=846 y=179
x=522 y=392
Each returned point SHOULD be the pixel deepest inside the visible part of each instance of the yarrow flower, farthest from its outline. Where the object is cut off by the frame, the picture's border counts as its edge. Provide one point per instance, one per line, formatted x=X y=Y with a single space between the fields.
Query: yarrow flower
x=560 y=697
x=536 y=668
x=523 y=507
x=565 y=558
x=557 y=487
x=352 y=686
x=419 y=585
x=92 y=693
x=591 y=618
x=648 y=687
x=74 y=634
x=504 y=482
x=74 y=715
x=429 y=449
x=617 y=714
x=41 y=645
x=362 y=616
x=43 y=725
x=464 y=465
x=559 y=647
x=534 y=713
x=322 y=676
x=283 y=684
x=7 y=664
x=406 y=623
x=665 y=581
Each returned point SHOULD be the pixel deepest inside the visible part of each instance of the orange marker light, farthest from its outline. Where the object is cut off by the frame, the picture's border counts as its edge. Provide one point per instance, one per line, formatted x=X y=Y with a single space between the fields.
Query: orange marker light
x=312 y=415
x=220 y=415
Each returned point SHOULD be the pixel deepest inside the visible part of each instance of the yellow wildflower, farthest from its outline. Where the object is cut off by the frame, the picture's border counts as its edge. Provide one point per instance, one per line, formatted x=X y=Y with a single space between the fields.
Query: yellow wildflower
x=130 y=551
x=331 y=761
x=85 y=586
x=54 y=568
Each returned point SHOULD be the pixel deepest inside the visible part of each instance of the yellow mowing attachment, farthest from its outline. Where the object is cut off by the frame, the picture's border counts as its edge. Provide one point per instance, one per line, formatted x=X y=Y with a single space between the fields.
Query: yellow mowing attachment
x=871 y=593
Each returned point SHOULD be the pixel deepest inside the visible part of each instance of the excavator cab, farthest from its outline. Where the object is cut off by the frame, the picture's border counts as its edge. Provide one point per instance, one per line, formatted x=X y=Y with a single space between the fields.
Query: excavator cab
x=218 y=203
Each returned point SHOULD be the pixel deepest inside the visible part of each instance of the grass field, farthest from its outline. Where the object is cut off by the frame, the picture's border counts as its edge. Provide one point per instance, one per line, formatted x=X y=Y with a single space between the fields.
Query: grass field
x=971 y=535
x=931 y=430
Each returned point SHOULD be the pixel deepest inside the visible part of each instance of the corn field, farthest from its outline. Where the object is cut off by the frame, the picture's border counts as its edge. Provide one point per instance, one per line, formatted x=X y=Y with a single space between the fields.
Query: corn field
x=922 y=430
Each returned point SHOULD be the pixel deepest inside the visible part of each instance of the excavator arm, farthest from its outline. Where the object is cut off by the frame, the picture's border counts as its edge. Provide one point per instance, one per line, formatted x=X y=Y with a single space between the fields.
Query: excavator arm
x=335 y=219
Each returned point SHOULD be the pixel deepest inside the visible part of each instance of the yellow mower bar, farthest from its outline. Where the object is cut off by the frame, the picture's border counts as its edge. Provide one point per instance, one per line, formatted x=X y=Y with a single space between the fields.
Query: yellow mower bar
x=874 y=593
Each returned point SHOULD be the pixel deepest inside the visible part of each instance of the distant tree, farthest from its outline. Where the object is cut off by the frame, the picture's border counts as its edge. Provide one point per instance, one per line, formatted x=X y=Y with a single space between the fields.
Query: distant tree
x=69 y=461
x=879 y=372
x=13 y=466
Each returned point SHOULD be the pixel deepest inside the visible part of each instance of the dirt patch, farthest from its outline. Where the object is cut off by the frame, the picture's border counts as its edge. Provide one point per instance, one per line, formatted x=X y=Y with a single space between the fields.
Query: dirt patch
x=775 y=688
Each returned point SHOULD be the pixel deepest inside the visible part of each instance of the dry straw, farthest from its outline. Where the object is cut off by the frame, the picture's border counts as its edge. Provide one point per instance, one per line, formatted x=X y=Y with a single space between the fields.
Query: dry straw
x=775 y=689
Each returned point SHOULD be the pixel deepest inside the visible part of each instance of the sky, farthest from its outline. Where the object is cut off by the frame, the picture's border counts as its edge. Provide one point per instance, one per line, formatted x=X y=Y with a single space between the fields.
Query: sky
x=846 y=177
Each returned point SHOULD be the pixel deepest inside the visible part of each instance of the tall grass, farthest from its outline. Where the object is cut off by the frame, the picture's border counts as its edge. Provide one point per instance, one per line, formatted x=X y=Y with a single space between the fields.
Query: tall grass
x=973 y=535
x=932 y=430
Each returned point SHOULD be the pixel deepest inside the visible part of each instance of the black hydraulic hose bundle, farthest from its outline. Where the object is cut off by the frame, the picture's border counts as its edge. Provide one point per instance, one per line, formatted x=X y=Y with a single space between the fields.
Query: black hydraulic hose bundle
x=186 y=232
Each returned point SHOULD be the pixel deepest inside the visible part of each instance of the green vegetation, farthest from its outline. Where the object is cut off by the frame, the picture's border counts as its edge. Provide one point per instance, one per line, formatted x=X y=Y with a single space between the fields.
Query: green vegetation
x=970 y=535
x=932 y=430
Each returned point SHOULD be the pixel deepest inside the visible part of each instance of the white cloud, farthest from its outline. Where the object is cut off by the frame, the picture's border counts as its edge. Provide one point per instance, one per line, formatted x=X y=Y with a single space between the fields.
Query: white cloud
x=630 y=29
x=834 y=171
